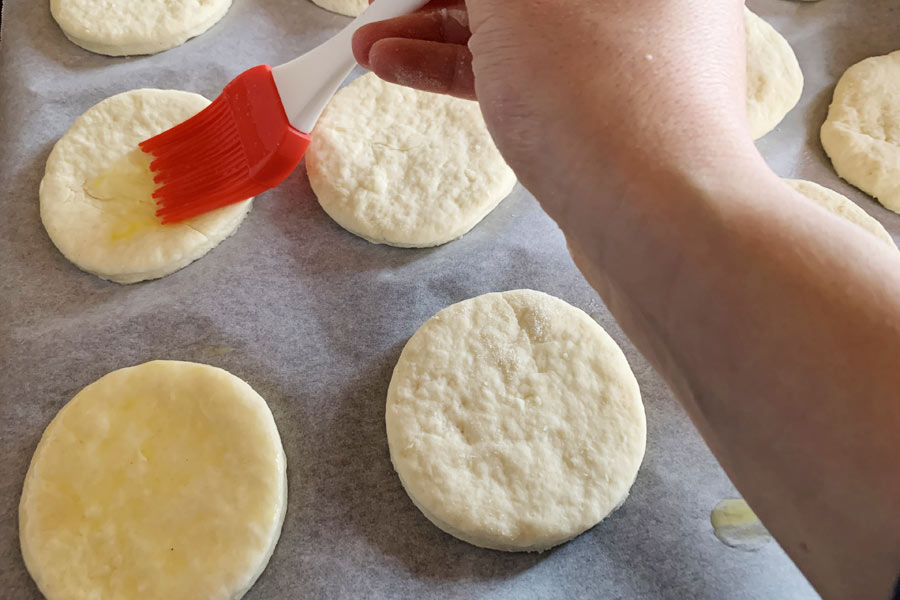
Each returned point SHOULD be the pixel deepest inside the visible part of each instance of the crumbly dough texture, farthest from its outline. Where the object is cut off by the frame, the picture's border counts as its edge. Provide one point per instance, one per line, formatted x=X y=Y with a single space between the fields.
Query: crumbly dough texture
x=351 y=8
x=774 y=78
x=843 y=207
x=121 y=240
x=862 y=132
x=514 y=421
x=403 y=167
x=161 y=481
x=130 y=27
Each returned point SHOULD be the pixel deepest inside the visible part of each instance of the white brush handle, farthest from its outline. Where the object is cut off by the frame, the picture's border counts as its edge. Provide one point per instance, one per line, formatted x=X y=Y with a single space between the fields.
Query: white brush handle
x=307 y=83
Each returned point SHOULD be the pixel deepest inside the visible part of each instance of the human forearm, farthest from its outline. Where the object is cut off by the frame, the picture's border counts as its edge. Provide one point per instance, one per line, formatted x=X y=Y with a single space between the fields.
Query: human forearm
x=777 y=326
x=774 y=321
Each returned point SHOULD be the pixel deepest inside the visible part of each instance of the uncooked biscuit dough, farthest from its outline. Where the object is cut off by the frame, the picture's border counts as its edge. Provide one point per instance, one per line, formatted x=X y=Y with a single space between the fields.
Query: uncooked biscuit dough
x=403 y=167
x=161 y=481
x=514 y=421
x=841 y=206
x=351 y=8
x=129 y=27
x=96 y=199
x=774 y=78
x=862 y=132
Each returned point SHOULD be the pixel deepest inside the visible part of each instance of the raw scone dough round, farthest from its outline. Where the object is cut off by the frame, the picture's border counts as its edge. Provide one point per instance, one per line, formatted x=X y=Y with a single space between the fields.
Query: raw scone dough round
x=862 y=132
x=95 y=195
x=351 y=8
x=402 y=167
x=129 y=27
x=841 y=206
x=514 y=421
x=774 y=78
x=161 y=481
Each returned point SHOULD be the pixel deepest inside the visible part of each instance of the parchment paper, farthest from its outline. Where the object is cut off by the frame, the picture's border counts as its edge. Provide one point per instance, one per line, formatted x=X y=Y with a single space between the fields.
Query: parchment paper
x=315 y=318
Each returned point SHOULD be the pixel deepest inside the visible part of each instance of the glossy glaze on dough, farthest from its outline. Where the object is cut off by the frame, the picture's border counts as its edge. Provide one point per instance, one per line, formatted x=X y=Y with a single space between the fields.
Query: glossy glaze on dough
x=118 y=238
x=774 y=78
x=161 y=481
x=402 y=167
x=129 y=27
x=862 y=132
x=514 y=421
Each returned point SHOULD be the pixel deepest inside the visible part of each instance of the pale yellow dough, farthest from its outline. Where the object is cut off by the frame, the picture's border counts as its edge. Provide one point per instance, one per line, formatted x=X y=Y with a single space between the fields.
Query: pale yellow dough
x=843 y=207
x=514 y=421
x=774 y=78
x=351 y=8
x=163 y=481
x=403 y=167
x=862 y=132
x=129 y=27
x=96 y=199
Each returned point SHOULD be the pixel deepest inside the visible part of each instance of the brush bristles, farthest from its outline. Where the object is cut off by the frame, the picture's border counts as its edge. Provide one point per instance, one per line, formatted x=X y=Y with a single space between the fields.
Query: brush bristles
x=200 y=164
x=239 y=146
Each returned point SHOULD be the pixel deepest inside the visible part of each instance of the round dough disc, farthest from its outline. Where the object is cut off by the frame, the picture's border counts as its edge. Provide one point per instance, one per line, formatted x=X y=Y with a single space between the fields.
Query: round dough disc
x=774 y=78
x=514 y=421
x=129 y=27
x=351 y=8
x=841 y=206
x=117 y=235
x=402 y=167
x=161 y=481
x=862 y=132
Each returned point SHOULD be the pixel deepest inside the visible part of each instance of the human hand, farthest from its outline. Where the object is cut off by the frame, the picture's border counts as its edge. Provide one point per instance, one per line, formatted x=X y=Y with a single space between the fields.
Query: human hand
x=584 y=98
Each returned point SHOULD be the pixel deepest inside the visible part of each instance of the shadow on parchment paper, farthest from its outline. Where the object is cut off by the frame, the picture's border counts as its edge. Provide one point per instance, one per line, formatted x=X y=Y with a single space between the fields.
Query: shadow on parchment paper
x=369 y=495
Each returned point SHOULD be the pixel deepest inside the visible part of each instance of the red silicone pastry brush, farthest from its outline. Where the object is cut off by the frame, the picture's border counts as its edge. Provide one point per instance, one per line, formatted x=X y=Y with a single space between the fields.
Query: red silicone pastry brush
x=256 y=132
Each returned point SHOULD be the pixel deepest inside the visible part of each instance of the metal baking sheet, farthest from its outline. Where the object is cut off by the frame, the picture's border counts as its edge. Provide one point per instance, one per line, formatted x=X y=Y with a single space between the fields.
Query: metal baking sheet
x=315 y=318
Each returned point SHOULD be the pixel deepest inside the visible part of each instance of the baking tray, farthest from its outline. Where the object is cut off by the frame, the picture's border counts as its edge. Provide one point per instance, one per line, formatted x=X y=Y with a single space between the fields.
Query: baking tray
x=315 y=318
